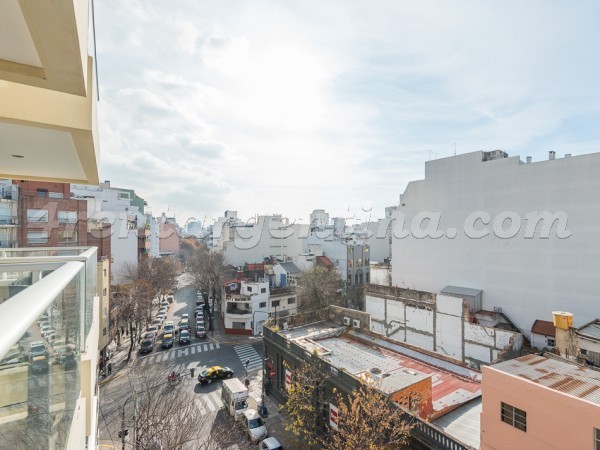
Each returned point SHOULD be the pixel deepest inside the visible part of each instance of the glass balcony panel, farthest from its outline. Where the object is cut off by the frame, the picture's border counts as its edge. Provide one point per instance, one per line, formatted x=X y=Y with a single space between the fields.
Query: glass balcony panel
x=40 y=375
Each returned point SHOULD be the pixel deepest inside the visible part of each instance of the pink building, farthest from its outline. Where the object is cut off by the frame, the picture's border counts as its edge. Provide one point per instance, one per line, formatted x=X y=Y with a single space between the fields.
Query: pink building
x=169 y=238
x=540 y=402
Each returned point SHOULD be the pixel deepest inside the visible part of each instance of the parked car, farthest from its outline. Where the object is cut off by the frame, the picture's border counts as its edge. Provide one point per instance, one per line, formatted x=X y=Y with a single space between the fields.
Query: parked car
x=37 y=348
x=146 y=346
x=151 y=335
x=253 y=425
x=270 y=443
x=152 y=329
x=65 y=355
x=157 y=322
x=184 y=337
x=185 y=316
x=214 y=373
x=200 y=332
x=161 y=315
x=167 y=340
x=39 y=364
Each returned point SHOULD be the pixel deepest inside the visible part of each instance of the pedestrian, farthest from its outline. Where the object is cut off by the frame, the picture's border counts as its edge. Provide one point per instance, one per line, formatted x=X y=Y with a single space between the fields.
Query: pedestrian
x=109 y=368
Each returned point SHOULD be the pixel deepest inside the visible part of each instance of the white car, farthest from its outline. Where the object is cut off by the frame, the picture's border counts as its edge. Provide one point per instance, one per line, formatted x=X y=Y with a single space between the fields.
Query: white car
x=185 y=316
x=254 y=425
x=270 y=444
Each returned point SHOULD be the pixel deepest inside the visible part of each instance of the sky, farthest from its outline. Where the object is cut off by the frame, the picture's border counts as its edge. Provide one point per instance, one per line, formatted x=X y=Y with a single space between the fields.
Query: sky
x=282 y=107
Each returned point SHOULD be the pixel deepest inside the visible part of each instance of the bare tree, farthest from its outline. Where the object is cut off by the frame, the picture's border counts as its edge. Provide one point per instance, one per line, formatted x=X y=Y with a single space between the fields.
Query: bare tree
x=318 y=288
x=368 y=419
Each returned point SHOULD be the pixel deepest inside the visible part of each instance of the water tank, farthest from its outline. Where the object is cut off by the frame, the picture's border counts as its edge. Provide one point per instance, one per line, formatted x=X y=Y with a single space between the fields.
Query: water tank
x=562 y=320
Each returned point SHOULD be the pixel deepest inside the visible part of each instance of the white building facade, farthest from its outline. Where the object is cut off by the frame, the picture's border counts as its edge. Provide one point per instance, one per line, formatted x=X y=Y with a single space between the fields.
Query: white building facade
x=524 y=233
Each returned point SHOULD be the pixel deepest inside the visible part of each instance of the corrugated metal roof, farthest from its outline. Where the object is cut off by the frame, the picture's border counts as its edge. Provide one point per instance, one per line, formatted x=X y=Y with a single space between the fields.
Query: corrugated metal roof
x=560 y=375
x=591 y=330
x=463 y=423
x=543 y=327
x=457 y=290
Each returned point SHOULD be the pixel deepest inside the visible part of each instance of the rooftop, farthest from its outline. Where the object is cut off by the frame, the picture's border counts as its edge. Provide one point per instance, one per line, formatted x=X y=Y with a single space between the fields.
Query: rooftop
x=543 y=327
x=290 y=267
x=554 y=373
x=590 y=330
x=457 y=290
x=398 y=370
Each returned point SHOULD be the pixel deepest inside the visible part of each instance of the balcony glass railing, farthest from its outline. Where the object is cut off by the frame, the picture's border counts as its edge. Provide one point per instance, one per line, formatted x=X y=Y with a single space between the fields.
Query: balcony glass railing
x=45 y=316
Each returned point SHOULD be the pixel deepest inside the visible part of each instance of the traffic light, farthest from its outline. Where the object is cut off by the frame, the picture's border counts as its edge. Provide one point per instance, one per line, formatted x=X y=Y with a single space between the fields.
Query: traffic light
x=123 y=433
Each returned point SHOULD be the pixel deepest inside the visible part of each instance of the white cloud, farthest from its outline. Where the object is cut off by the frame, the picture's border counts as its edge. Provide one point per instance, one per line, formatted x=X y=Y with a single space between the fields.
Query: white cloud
x=270 y=106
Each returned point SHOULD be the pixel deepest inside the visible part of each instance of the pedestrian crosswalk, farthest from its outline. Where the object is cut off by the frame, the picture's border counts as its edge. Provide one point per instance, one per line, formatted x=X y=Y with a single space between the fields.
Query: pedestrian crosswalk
x=177 y=353
x=247 y=352
x=209 y=402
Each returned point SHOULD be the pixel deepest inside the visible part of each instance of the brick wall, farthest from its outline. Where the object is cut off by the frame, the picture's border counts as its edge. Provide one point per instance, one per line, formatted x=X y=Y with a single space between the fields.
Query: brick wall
x=419 y=393
x=52 y=226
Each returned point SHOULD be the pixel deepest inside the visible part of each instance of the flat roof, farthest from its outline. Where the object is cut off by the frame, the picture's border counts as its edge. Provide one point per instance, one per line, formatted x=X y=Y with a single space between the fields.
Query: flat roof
x=558 y=374
x=448 y=389
x=457 y=290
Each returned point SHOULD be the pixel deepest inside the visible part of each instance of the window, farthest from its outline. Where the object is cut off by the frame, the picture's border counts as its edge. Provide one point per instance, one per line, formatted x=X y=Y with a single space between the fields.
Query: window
x=37 y=237
x=104 y=292
x=67 y=217
x=263 y=290
x=42 y=192
x=249 y=288
x=513 y=416
x=262 y=305
x=551 y=343
x=37 y=215
x=275 y=303
x=596 y=439
x=291 y=300
x=67 y=237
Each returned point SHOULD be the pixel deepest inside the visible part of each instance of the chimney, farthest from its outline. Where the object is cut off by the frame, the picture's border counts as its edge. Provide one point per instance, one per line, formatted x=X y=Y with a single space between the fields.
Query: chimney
x=565 y=339
x=529 y=160
x=551 y=155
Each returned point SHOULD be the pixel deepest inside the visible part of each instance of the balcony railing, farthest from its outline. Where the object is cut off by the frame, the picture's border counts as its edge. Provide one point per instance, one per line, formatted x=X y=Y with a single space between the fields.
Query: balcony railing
x=8 y=220
x=45 y=322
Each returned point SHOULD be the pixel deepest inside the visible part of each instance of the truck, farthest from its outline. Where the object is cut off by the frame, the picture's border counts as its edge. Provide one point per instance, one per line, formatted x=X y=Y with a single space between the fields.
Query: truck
x=235 y=397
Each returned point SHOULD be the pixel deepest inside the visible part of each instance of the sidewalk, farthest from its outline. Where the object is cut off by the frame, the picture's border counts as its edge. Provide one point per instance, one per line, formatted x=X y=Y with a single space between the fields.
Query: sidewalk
x=118 y=359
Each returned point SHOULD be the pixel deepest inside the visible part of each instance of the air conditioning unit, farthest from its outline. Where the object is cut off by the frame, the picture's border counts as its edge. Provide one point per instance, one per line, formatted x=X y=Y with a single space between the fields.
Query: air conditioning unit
x=347 y=321
x=356 y=323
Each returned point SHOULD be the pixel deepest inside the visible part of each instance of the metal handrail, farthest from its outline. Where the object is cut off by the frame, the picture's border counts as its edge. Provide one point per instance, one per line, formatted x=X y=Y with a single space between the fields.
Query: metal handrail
x=20 y=311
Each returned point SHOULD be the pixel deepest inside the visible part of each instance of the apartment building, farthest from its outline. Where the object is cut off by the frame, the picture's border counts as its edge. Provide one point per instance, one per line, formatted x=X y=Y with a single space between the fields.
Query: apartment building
x=8 y=214
x=523 y=232
x=49 y=307
x=48 y=216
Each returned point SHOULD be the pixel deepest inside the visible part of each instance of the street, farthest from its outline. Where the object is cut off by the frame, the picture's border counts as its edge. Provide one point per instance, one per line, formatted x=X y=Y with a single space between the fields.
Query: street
x=223 y=350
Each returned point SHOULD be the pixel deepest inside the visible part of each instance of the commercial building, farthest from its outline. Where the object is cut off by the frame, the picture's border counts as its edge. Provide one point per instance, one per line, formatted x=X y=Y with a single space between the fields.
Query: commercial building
x=522 y=232
x=49 y=307
x=338 y=340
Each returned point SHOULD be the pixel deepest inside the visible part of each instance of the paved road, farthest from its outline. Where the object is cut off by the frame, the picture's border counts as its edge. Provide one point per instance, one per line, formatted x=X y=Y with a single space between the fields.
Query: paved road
x=199 y=354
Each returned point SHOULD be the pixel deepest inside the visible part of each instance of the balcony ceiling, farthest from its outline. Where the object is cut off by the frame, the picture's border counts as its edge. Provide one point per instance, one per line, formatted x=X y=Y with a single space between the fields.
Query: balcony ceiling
x=48 y=127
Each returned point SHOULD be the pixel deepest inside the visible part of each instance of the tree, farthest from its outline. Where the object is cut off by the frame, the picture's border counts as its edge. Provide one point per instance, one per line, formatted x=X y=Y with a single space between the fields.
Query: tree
x=368 y=419
x=318 y=288
x=302 y=405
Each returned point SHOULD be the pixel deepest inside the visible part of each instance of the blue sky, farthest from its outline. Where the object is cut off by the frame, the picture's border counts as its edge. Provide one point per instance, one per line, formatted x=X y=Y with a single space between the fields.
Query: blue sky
x=289 y=106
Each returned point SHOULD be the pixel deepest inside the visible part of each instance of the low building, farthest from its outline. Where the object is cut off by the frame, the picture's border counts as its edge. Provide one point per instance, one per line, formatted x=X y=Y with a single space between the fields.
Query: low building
x=588 y=337
x=449 y=324
x=543 y=334
x=243 y=303
x=426 y=384
x=540 y=402
x=286 y=274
